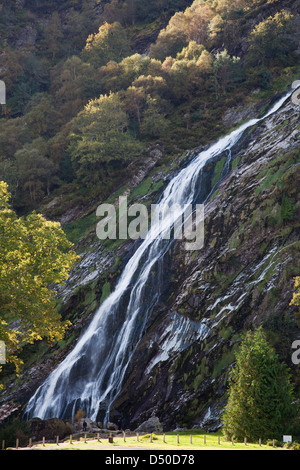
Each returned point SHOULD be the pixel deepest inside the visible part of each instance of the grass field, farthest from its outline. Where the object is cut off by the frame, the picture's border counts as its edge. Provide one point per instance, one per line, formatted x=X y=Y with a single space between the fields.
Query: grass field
x=171 y=442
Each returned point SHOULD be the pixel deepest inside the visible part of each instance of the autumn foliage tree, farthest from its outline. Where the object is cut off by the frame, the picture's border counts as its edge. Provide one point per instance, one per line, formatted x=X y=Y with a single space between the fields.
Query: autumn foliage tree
x=35 y=255
x=296 y=298
x=109 y=43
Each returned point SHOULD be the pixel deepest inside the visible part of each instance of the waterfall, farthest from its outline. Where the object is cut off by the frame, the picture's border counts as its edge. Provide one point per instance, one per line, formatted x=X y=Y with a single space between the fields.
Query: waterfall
x=91 y=375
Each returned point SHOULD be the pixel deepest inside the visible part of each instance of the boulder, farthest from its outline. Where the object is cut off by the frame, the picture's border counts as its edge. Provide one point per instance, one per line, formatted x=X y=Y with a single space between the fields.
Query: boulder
x=112 y=426
x=151 y=425
x=49 y=428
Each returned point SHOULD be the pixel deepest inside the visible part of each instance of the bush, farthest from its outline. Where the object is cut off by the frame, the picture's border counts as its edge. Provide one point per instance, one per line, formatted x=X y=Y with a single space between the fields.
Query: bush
x=13 y=430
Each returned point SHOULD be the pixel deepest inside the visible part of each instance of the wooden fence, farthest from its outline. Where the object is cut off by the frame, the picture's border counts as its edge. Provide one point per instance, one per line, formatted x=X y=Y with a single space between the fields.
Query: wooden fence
x=109 y=436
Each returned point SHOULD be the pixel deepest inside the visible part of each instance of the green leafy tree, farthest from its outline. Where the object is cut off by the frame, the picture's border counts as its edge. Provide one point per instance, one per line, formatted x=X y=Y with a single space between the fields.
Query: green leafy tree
x=260 y=403
x=110 y=43
x=53 y=36
x=171 y=40
x=73 y=82
x=191 y=52
x=271 y=41
x=42 y=117
x=100 y=142
x=227 y=72
x=36 y=171
x=35 y=255
x=154 y=122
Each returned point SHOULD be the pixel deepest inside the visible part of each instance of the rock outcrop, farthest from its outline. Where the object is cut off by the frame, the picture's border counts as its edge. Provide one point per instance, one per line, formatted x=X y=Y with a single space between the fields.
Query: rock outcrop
x=49 y=428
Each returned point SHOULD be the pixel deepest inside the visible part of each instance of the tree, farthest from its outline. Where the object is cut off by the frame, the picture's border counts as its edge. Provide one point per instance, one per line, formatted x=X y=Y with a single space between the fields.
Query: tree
x=184 y=27
x=53 y=35
x=170 y=40
x=123 y=12
x=296 y=298
x=296 y=295
x=227 y=72
x=110 y=43
x=191 y=52
x=154 y=123
x=42 y=116
x=73 y=82
x=270 y=41
x=198 y=16
x=100 y=141
x=36 y=171
x=35 y=255
x=260 y=403
x=134 y=102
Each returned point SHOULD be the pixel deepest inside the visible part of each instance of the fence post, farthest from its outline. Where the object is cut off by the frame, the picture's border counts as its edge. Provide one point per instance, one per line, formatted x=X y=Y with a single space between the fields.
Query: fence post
x=98 y=437
x=151 y=437
x=57 y=440
x=44 y=441
x=30 y=442
x=245 y=441
x=3 y=445
x=177 y=438
x=259 y=441
x=124 y=436
x=191 y=439
x=71 y=439
x=218 y=439
x=137 y=436
x=232 y=441
x=17 y=443
x=84 y=438
x=164 y=438
x=273 y=442
x=204 y=439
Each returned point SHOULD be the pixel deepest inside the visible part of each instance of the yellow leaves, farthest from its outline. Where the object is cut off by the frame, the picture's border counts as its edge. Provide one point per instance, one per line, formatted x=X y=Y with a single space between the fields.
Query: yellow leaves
x=296 y=295
x=4 y=195
x=34 y=255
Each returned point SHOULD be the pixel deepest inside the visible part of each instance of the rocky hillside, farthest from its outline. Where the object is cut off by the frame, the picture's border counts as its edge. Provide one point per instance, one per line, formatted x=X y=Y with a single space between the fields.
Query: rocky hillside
x=242 y=277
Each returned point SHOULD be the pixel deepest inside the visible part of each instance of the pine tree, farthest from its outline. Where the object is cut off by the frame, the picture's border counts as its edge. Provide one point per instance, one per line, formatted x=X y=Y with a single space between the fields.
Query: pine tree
x=260 y=403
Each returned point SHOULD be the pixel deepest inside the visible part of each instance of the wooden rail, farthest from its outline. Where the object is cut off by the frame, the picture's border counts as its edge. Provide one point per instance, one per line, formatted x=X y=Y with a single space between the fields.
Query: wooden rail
x=109 y=435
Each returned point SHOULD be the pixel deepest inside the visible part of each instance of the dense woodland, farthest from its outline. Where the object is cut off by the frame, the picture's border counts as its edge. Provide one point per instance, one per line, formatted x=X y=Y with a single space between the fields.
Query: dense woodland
x=83 y=104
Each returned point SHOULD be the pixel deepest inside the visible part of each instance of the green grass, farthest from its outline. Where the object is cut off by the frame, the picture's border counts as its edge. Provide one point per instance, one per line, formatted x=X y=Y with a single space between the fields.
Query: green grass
x=80 y=228
x=173 y=441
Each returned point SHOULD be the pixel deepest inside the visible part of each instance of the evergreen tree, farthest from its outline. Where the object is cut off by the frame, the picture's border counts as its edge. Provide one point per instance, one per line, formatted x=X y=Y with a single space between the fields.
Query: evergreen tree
x=260 y=403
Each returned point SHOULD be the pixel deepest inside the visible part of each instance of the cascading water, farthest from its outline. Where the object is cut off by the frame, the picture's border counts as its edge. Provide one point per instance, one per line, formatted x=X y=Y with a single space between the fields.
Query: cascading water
x=91 y=375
